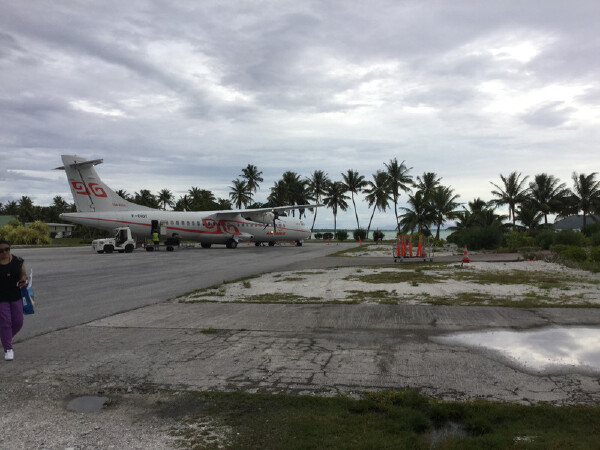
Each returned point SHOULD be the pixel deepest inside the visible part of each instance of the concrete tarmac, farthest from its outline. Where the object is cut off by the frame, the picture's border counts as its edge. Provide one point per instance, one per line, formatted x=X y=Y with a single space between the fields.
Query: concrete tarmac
x=104 y=324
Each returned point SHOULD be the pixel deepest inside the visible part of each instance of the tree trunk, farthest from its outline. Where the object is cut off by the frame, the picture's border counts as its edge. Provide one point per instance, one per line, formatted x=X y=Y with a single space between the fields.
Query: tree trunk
x=315 y=218
x=369 y=227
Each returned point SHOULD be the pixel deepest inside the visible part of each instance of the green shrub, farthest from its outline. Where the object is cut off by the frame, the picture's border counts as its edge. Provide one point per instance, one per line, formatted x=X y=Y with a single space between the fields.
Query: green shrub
x=594 y=239
x=519 y=239
x=36 y=234
x=595 y=254
x=360 y=233
x=477 y=238
x=570 y=252
x=327 y=235
x=591 y=228
x=342 y=235
x=378 y=235
x=570 y=237
x=545 y=239
x=318 y=235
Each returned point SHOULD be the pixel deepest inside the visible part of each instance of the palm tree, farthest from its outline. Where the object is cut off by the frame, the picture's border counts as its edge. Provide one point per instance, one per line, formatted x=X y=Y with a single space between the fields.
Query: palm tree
x=529 y=216
x=184 y=204
x=378 y=194
x=123 y=194
x=239 y=193
x=224 y=203
x=253 y=177
x=165 y=197
x=353 y=183
x=26 y=210
x=335 y=198
x=547 y=194
x=426 y=184
x=478 y=214
x=145 y=198
x=399 y=179
x=279 y=194
x=317 y=186
x=586 y=193
x=443 y=205
x=296 y=190
x=418 y=216
x=512 y=193
x=11 y=208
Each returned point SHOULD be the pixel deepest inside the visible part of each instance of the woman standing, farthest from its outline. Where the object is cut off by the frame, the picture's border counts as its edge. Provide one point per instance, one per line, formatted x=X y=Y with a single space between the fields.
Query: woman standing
x=12 y=277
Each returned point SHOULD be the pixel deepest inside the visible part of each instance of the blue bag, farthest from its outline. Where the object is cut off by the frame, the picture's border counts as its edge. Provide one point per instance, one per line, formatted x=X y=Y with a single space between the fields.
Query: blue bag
x=27 y=294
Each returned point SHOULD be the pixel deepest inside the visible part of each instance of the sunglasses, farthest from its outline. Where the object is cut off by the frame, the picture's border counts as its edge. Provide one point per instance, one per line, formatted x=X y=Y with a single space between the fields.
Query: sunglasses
x=6 y=249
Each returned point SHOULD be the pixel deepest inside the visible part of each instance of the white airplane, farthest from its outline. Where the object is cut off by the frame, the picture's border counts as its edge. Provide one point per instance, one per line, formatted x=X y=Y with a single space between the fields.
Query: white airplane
x=99 y=206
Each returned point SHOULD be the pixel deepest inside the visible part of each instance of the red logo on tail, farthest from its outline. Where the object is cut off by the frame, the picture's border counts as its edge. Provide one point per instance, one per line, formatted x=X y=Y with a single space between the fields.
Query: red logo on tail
x=82 y=189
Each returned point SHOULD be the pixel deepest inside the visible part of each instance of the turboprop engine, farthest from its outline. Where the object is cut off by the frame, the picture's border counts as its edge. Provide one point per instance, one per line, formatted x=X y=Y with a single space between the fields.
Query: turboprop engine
x=267 y=218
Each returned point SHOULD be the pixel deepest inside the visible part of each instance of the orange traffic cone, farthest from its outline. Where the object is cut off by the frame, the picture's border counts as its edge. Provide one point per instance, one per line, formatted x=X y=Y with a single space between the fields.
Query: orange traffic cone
x=466 y=255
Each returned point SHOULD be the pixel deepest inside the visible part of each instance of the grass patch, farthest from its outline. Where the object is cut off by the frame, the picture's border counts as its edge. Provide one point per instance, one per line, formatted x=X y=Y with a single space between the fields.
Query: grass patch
x=208 y=331
x=346 y=251
x=533 y=278
x=379 y=296
x=396 y=276
x=290 y=279
x=404 y=419
x=316 y=272
x=278 y=297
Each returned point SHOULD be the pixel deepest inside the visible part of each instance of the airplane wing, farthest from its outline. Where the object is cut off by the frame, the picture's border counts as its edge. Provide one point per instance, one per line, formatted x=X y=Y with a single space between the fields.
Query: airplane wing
x=260 y=213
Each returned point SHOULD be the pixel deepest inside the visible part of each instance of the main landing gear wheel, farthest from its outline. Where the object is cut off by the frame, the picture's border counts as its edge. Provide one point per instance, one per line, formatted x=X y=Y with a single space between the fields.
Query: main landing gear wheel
x=205 y=245
x=231 y=243
x=271 y=244
x=299 y=244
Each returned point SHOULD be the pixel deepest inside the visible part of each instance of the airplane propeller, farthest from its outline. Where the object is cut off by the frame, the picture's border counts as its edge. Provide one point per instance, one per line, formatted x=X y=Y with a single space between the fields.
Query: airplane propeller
x=275 y=217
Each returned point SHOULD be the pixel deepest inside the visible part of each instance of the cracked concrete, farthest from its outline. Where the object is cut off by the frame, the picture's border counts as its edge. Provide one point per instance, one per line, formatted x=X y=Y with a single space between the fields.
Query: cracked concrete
x=138 y=357
x=306 y=349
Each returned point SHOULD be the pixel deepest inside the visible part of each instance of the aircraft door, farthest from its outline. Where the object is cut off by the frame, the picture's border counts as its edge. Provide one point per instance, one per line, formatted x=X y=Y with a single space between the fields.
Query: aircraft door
x=159 y=227
x=163 y=227
x=154 y=227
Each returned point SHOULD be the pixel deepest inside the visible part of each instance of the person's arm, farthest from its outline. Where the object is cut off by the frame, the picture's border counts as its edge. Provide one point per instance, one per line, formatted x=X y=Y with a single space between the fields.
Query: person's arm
x=23 y=279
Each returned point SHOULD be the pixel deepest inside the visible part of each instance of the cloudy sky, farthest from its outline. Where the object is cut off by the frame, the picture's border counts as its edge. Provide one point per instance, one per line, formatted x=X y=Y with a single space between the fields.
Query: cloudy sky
x=180 y=94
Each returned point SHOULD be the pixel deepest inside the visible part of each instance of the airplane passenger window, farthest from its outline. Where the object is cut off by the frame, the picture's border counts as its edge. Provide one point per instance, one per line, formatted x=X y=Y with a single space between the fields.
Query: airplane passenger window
x=177 y=222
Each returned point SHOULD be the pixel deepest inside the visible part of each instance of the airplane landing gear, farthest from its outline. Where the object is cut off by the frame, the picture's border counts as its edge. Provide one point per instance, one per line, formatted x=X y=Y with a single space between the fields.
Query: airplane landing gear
x=231 y=243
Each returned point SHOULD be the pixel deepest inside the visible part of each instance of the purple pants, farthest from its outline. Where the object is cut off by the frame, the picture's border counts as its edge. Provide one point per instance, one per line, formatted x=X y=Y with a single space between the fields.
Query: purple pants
x=11 y=321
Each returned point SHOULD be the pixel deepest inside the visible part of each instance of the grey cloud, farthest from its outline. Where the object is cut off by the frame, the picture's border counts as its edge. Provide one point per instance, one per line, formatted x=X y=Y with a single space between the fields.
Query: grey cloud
x=552 y=114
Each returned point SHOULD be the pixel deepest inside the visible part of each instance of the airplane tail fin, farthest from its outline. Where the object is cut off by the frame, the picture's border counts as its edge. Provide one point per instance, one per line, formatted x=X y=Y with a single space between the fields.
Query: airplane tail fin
x=89 y=192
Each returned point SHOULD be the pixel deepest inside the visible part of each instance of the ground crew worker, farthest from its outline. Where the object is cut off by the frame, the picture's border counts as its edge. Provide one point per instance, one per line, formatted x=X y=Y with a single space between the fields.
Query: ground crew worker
x=155 y=240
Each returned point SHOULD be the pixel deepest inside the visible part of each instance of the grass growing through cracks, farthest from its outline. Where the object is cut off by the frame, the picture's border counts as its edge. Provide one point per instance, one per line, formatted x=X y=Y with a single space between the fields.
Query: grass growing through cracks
x=404 y=419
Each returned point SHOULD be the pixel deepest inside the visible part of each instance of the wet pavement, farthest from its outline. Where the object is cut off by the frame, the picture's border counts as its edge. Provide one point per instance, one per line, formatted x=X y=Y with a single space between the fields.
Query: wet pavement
x=307 y=349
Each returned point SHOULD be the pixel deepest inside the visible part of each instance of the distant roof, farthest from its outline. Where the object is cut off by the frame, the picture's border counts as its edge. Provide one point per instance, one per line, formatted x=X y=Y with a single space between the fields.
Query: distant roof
x=5 y=220
x=574 y=222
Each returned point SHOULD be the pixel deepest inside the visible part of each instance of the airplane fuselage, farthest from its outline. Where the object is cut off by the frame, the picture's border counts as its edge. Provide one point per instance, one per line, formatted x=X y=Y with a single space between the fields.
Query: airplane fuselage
x=203 y=226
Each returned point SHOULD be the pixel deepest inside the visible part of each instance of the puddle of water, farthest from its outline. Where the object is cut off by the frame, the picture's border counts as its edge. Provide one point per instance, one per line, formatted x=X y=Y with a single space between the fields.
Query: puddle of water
x=542 y=350
x=87 y=404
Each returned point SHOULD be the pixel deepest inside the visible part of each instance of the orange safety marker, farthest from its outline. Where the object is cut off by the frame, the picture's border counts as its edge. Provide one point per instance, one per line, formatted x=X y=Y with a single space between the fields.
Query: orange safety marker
x=420 y=247
x=328 y=239
x=403 y=238
x=466 y=255
x=410 y=245
x=359 y=241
